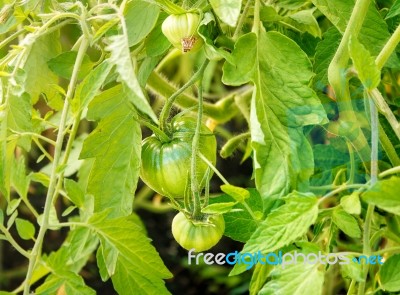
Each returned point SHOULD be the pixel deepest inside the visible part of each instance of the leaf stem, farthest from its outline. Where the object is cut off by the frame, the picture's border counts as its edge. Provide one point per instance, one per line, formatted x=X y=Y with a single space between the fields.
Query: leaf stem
x=14 y=243
x=388 y=49
x=256 y=23
x=242 y=19
x=53 y=177
x=388 y=147
x=389 y=172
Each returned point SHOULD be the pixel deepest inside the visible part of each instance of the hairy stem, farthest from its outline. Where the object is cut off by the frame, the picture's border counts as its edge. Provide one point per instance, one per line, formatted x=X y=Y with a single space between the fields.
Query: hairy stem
x=35 y=254
x=170 y=101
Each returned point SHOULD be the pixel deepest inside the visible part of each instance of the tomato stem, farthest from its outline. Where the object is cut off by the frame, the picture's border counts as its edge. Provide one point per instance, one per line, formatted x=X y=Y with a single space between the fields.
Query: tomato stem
x=195 y=190
x=170 y=101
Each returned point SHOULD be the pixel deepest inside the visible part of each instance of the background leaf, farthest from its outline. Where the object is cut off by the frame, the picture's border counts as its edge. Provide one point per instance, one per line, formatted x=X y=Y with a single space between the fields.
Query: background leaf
x=227 y=10
x=390 y=277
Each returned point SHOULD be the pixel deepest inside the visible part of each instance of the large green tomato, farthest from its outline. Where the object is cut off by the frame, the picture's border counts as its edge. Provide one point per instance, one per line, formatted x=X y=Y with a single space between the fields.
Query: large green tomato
x=200 y=237
x=181 y=31
x=166 y=164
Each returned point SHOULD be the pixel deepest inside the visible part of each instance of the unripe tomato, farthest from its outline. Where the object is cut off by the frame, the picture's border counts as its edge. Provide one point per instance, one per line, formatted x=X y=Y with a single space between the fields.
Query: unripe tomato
x=166 y=164
x=200 y=237
x=181 y=31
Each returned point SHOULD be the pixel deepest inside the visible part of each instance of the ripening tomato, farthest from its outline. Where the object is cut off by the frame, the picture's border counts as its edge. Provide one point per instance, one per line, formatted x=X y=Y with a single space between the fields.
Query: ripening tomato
x=166 y=164
x=200 y=237
x=181 y=31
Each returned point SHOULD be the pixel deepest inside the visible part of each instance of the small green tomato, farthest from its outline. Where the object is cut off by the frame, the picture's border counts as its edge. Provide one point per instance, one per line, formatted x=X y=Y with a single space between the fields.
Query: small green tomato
x=181 y=31
x=200 y=237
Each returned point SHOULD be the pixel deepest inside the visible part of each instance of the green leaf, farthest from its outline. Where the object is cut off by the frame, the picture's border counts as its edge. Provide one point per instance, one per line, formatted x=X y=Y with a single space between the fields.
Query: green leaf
x=283 y=225
x=390 y=275
x=351 y=203
x=25 y=229
x=324 y=53
x=63 y=65
x=121 y=58
x=53 y=219
x=305 y=21
x=40 y=81
x=74 y=192
x=240 y=225
x=90 y=86
x=259 y=277
x=19 y=118
x=219 y=208
x=346 y=223
x=1 y=217
x=295 y=279
x=64 y=283
x=368 y=72
x=13 y=205
x=291 y=4
x=238 y=193
x=374 y=32
x=269 y=14
x=282 y=104
x=134 y=249
x=115 y=146
x=140 y=18
x=394 y=10
x=19 y=179
x=227 y=10
x=385 y=195
x=352 y=270
x=156 y=43
x=6 y=162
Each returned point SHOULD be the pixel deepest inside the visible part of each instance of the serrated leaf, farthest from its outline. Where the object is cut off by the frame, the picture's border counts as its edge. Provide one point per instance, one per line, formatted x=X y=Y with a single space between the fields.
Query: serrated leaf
x=295 y=279
x=351 y=203
x=218 y=208
x=25 y=229
x=115 y=146
x=240 y=225
x=19 y=118
x=305 y=21
x=69 y=282
x=374 y=32
x=140 y=19
x=385 y=195
x=346 y=223
x=19 y=178
x=227 y=10
x=74 y=192
x=389 y=274
x=43 y=49
x=281 y=105
x=63 y=65
x=11 y=219
x=90 y=86
x=134 y=249
x=367 y=70
x=40 y=178
x=238 y=193
x=285 y=224
x=121 y=58
x=6 y=162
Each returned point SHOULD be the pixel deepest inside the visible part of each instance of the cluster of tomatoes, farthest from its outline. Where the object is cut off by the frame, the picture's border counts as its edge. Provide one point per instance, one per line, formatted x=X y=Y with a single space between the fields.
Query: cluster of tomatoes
x=166 y=165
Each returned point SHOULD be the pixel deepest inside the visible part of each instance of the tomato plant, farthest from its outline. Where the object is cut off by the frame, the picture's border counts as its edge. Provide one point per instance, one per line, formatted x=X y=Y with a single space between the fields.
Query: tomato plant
x=264 y=134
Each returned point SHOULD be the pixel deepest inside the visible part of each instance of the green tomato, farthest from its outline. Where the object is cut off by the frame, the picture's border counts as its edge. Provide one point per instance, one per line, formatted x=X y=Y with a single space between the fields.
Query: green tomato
x=200 y=237
x=181 y=31
x=166 y=164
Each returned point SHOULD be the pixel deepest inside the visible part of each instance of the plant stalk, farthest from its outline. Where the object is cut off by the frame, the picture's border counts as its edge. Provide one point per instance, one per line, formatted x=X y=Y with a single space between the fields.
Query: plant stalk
x=53 y=178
